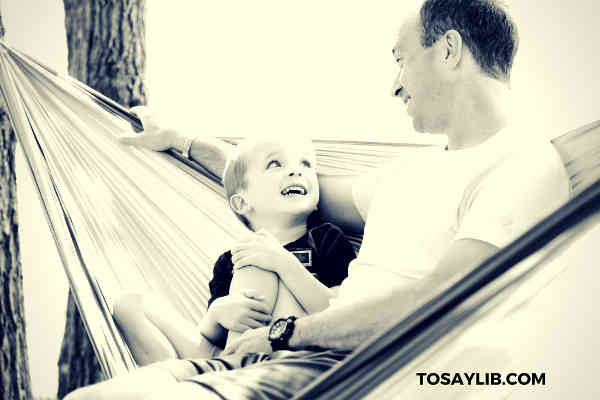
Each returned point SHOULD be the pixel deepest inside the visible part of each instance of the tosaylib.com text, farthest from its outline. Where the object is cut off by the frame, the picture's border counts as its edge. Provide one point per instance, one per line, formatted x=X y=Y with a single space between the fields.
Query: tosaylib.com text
x=482 y=378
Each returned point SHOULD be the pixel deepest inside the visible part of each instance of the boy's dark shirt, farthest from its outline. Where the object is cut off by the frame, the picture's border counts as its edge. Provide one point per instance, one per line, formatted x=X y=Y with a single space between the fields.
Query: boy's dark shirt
x=331 y=254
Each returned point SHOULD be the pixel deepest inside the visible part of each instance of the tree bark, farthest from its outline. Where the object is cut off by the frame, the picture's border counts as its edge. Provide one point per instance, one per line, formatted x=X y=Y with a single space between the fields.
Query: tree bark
x=106 y=47
x=15 y=381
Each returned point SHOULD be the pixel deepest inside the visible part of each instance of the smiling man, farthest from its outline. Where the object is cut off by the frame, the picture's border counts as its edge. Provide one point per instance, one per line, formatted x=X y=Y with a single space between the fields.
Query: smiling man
x=427 y=219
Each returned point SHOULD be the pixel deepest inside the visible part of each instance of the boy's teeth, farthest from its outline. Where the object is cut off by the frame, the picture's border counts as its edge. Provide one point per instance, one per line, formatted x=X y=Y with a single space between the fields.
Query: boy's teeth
x=294 y=190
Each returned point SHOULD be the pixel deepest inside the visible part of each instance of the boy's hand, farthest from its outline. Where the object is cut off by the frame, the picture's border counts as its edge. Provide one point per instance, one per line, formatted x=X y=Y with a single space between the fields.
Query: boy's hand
x=261 y=250
x=255 y=341
x=154 y=136
x=239 y=312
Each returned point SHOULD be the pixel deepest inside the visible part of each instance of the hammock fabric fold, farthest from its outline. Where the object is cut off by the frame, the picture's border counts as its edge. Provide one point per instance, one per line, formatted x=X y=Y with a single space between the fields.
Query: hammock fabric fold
x=127 y=219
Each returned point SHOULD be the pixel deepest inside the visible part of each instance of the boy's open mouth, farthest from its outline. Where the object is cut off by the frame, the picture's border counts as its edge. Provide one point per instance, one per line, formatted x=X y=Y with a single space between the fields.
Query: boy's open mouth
x=294 y=189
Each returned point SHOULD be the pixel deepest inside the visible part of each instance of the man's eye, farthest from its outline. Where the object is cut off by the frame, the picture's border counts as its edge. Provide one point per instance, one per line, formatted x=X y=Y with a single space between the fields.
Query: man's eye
x=273 y=164
x=306 y=163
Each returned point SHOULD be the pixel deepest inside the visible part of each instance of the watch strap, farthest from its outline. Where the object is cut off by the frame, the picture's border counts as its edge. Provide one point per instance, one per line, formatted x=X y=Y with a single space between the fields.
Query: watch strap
x=282 y=342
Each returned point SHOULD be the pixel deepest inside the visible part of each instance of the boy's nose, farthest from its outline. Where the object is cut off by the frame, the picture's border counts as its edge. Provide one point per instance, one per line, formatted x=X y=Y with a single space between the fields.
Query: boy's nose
x=294 y=172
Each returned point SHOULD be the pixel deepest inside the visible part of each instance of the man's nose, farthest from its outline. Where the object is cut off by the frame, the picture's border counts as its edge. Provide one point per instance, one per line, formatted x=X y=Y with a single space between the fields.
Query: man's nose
x=398 y=86
x=295 y=172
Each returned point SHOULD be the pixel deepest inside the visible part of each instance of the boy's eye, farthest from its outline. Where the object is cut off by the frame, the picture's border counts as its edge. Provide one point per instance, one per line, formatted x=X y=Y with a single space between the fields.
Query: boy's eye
x=273 y=164
x=306 y=163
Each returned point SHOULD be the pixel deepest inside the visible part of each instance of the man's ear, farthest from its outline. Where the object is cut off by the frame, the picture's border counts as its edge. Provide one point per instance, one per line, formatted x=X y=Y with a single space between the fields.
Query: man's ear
x=239 y=204
x=451 y=48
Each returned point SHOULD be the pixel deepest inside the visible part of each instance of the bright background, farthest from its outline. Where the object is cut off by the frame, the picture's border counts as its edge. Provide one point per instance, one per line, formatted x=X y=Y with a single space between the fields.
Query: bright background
x=236 y=68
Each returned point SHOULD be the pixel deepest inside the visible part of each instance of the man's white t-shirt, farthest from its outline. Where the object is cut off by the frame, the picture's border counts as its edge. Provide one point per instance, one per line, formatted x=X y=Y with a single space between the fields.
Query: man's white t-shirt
x=416 y=207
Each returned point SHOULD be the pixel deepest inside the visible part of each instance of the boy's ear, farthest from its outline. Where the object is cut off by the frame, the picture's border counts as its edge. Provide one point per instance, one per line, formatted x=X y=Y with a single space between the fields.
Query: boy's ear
x=239 y=204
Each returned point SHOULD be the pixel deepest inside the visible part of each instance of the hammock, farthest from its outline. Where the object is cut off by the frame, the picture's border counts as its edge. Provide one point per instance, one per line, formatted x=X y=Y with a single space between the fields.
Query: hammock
x=129 y=219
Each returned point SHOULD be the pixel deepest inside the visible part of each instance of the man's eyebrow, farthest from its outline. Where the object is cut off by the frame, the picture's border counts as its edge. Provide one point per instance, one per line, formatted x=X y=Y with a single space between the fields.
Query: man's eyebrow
x=271 y=154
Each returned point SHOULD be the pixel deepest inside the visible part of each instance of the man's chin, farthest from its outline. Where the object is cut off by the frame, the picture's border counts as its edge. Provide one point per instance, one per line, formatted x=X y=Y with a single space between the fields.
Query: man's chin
x=418 y=126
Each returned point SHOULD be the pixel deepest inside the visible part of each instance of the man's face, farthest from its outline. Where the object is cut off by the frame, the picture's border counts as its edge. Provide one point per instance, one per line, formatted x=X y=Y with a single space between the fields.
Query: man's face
x=419 y=82
x=282 y=180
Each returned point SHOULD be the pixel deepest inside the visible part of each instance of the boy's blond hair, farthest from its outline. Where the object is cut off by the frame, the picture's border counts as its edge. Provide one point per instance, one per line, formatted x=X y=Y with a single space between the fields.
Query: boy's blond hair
x=236 y=168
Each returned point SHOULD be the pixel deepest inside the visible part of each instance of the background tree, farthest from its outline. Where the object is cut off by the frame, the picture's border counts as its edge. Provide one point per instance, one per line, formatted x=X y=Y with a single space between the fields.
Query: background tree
x=106 y=50
x=15 y=382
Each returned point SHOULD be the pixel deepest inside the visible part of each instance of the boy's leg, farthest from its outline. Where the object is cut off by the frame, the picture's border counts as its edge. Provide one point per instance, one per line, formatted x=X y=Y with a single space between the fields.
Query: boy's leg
x=265 y=283
x=182 y=334
x=277 y=295
x=137 y=384
x=145 y=340
x=155 y=331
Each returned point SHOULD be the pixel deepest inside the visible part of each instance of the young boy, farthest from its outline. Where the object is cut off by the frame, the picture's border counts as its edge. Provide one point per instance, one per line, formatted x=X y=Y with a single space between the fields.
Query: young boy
x=273 y=189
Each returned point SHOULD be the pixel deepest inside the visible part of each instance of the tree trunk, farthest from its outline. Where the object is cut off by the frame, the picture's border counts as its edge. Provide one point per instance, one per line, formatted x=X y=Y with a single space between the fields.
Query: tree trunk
x=106 y=44
x=15 y=382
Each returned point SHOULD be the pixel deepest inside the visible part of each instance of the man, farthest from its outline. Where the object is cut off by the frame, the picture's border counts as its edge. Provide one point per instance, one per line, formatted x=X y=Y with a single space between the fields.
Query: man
x=450 y=208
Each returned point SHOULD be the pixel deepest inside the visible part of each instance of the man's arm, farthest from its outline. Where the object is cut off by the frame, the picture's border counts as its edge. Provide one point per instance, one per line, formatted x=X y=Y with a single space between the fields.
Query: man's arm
x=212 y=153
x=346 y=327
x=336 y=203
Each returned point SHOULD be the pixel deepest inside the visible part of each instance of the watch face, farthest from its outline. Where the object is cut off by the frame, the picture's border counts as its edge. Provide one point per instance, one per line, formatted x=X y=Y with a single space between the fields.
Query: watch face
x=277 y=329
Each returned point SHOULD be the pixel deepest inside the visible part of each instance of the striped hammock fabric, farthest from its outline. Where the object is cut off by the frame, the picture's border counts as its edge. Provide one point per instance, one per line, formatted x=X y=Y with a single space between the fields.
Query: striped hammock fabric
x=127 y=219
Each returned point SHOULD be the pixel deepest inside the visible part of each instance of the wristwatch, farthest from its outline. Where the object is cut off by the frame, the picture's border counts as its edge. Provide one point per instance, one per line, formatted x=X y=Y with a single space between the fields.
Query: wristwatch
x=280 y=333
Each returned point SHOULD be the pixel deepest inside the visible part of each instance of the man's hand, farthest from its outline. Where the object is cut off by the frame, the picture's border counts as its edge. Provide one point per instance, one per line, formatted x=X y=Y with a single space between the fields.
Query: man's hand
x=154 y=136
x=262 y=250
x=239 y=312
x=252 y=341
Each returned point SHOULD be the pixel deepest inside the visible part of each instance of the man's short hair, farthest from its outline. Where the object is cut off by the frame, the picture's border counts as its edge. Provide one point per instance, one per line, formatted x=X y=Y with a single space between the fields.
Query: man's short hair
x=485 y=26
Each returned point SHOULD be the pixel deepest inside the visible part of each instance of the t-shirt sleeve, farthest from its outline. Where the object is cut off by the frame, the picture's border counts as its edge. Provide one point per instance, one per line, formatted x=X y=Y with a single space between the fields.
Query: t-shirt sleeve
x=363 y=188
x=222 y=275
x=512 y=198
x=365 y=185
x=335 y=253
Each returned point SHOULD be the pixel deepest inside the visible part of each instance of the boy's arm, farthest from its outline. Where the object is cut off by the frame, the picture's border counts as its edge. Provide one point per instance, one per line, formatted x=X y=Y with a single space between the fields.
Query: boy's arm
x=308 y=291
x=265 y=252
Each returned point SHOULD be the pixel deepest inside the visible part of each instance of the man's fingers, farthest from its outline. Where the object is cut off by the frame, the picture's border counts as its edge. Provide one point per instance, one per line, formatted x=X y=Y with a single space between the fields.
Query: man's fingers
x=129 y=139
x=139 y=111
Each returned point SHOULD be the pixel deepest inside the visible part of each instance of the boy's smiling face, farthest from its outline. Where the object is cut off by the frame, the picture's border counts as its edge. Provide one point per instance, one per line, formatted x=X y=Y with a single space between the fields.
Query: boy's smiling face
x=281 y=180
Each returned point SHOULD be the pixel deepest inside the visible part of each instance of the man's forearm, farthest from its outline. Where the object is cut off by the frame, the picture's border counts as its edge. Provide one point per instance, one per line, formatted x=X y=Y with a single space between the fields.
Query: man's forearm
x=212 y=153
x=348 y=326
